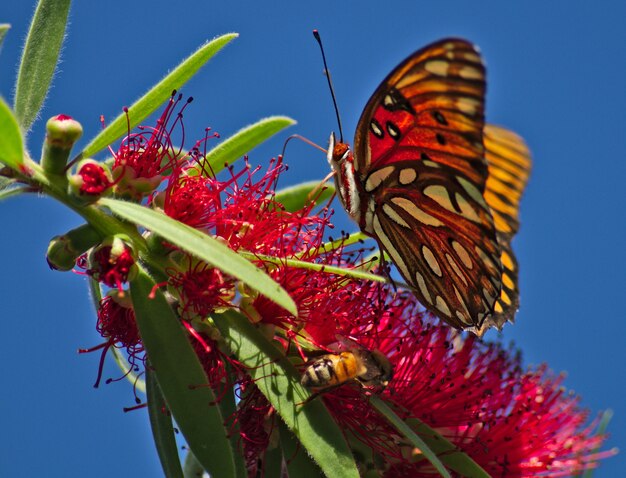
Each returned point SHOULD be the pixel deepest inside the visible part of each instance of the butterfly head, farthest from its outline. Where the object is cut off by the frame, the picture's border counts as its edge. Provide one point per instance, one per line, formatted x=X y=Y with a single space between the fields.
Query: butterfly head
x=341 y=160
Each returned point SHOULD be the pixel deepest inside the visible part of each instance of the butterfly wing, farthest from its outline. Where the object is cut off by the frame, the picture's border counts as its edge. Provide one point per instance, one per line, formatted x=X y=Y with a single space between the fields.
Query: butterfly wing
x=420 y=162
x=509 y=166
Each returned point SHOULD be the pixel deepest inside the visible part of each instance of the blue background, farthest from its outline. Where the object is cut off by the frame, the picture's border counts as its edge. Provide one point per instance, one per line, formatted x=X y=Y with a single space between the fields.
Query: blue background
x=556 y=75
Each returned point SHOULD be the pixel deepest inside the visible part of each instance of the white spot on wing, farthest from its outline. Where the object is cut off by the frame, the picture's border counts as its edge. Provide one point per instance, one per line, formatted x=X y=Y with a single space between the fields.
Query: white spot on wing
x=467 y=106
x=456 y=268
x=407 y=176
x=488 y=262
x=432 y=164
x=377 y=177
x=470 y=73
x=463 y=254
x=437 y=67
x=431 y=260
x=466 y=208
x=440 y=195
x=421 y=283
x=442 y=306
x=389 y=247
x=369 y=216
x=472 y=191
x=394 y=216
x=375 y=129
x=416 y=212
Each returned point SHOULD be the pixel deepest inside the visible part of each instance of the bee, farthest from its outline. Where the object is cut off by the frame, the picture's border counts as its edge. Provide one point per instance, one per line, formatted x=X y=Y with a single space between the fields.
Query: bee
x=371 y=368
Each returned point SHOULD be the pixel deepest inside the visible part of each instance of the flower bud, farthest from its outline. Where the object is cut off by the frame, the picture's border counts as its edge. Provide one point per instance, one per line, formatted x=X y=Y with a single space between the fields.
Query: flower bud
x=91 y=180
x=62 y=132
x=65 y=249
x=112 y=262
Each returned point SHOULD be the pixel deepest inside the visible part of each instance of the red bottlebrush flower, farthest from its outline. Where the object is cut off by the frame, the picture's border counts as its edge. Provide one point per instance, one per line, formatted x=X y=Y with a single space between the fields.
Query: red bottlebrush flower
x=111 y=263
x=191 y=200
x=116 y=324
x=200 y=289
x=475 y=394
x=512 y=423
x=144 y=157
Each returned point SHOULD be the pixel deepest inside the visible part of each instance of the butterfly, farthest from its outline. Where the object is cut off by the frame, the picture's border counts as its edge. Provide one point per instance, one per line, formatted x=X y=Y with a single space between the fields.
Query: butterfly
x=436 y=187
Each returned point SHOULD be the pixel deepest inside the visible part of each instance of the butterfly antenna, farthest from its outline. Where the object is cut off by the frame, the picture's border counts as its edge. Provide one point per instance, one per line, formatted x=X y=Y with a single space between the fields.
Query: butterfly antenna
x=316 y=34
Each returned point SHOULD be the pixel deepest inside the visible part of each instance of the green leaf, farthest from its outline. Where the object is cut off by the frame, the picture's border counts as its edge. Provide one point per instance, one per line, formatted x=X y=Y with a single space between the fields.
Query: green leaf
x=162 y=428
x=203 y=247
x=4 y=28
x=296 y=197
x=297 y=461
x=353 y=273
x=155 y=97
x=228 y=408
x=432 y=444
x=242 y=142
x=11 y=148
x=409 y=434
x=181 y=377
x=6 y=191
x=39 y=59
x=279 y=381
x=192 y=467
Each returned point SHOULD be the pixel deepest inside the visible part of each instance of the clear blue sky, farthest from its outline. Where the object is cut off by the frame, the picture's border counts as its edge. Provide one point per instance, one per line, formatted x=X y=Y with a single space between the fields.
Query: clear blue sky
x=556 y=75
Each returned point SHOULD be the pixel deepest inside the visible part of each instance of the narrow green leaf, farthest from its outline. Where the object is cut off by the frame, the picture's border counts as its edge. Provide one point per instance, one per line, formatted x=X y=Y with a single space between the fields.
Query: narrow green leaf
x=162 y=428
x=242 y=142
x=155 y=97
x=39 y=59
x=7 y=192
x=298 y=462
x=432 y=444
x=228 y=408
x=410 y=435
x=192 y=467
x=203 y=247
x=4 y=28
x=296 y=197
x=181 y=377
x=11 y=147
x=329 y=246
x=354 y=273
x=279 y=381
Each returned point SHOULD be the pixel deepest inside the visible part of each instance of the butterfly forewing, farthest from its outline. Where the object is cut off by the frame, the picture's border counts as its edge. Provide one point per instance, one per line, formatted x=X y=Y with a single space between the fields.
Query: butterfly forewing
x=419 y=159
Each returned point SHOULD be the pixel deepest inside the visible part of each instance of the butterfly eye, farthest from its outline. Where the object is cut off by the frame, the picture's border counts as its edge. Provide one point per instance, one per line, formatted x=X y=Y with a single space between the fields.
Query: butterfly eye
x=340 y=152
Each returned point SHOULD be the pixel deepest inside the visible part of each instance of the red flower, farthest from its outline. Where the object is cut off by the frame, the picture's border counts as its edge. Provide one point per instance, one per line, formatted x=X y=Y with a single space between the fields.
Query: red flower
x=200 y=289
x=512 y=423
x=92 y=179
x=116 y=323
x=144 y=158
x=111 y=263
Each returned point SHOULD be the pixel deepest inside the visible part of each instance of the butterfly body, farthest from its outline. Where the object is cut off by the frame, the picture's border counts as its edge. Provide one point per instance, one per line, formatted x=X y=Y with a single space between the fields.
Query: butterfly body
x=416 y=182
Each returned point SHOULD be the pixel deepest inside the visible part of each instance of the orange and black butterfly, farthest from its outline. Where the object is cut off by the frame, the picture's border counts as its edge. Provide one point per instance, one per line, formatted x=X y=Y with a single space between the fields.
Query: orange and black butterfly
x=437 y=188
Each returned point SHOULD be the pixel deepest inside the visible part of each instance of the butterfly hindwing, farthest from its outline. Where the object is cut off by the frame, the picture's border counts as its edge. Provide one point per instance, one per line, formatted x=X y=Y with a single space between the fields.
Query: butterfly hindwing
x=509 y=166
